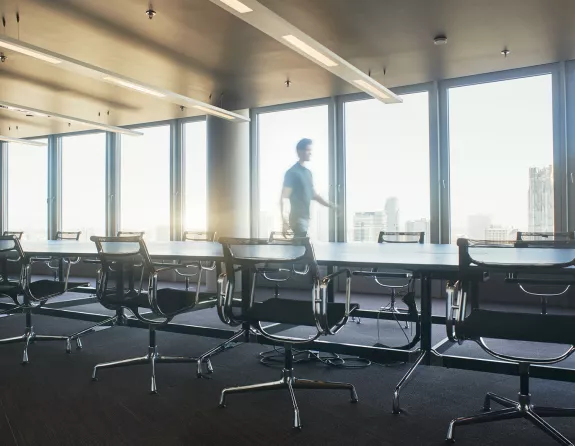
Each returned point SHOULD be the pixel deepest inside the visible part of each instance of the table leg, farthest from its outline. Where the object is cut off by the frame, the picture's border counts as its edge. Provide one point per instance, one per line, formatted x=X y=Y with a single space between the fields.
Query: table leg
x=60 y=269
x=330 y=286
x=426 y=320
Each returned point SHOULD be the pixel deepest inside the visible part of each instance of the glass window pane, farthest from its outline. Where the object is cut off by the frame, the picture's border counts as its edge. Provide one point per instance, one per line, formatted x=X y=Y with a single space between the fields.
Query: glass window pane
x=84 y=184
x=195 y=176
x=387 y=167
x=145 y=182
x=501 y=158
x=279 y=132
x=28 y=190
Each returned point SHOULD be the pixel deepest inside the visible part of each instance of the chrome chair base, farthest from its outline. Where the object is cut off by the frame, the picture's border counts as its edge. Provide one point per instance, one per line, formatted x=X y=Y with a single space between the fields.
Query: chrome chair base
x=287 y=381
x=514 y=410
x=30 y=337
x=152 y=358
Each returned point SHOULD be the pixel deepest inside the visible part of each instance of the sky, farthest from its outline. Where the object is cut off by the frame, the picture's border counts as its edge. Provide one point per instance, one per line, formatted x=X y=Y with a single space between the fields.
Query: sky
x=497 y=131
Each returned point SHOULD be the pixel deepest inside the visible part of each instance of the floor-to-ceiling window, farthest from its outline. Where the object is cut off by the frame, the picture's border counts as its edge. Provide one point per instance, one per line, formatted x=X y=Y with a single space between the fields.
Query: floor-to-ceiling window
x=195 y=176
x=28 y=190
x=84 y=184
x=501 y=158
x=145 y=183
x=387 y=167
x=278 y=134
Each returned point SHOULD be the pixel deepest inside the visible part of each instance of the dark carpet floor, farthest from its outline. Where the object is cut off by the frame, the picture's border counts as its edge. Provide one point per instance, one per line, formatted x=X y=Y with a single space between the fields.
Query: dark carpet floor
x=52 y=401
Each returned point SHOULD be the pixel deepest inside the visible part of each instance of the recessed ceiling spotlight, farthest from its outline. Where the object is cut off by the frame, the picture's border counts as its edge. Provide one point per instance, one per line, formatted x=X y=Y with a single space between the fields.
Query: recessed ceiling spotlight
x=440 y=40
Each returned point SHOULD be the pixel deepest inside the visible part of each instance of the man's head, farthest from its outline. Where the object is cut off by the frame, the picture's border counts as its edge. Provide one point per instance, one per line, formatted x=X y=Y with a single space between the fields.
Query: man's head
x=303 y=148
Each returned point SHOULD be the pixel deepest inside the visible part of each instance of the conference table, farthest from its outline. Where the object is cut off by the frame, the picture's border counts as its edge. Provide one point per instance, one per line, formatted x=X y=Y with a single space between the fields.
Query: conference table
x=428 y=262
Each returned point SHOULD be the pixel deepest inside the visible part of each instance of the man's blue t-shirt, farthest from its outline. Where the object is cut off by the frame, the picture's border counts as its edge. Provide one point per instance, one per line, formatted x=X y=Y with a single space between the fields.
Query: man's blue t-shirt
x=299 y=179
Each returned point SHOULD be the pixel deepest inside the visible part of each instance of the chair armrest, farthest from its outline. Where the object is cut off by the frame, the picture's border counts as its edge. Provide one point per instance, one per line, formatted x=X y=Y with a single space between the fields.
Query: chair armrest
x=331 y=276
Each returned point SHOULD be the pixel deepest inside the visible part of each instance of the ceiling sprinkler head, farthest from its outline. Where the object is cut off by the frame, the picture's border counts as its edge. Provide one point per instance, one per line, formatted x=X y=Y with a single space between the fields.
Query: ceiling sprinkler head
x=3 y=57
x=440 y=40
x=505 y=52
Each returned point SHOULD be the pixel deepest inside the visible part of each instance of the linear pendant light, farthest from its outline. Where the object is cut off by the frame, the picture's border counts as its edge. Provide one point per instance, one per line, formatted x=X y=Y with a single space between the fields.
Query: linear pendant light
x=267 y=21
x=7 y=106
x=101 y=74
x=23 y=141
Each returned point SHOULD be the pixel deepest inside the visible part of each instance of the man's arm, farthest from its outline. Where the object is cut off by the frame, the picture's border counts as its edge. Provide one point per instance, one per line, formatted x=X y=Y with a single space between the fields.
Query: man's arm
x=317 y=197
x=286 y=193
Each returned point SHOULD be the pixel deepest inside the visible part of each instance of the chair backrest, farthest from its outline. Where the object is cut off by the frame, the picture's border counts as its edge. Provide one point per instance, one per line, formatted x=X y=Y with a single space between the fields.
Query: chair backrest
x=251 y=252
x=68 y=235
x=479 y=258
x=17 y=234
x=122 y=250
x=10 y=244
x=199 y=236
x=131 y=234
x=401 y=237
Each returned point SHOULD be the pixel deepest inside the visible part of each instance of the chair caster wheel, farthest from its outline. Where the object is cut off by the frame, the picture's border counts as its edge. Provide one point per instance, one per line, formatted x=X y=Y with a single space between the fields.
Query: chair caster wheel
x=449 y=440
x=222 y=406
x=94 y=379
x=24 y=363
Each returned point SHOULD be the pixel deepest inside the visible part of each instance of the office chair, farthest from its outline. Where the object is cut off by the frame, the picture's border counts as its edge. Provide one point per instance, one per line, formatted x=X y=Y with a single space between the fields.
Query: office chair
x=326 y=318
x=402 y=281
x=121 y=254
x=467 y=320
x=56 y=264
x=529 y=239
x=196 y=268
x=34 y=294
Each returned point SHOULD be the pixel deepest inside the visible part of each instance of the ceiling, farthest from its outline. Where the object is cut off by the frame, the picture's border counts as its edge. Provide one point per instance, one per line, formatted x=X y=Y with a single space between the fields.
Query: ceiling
x=197 y=49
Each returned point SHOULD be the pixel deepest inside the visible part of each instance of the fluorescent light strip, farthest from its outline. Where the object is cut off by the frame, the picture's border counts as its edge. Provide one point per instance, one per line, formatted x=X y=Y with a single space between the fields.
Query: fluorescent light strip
x=59 y=117
x=237 y=5
x=134 y=86
x=311 y=52
x=368 y=88
x=209 y=111
x=84 y=69
x=22 y=49
x=23 y=141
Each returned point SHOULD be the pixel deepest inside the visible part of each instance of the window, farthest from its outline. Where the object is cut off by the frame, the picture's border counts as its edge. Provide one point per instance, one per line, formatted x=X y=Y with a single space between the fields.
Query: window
x=145 y=183
x=501 y=158
x=387 y=167
x=84 y=184
x=28 y=190
x=195 y=176
x=278 y=134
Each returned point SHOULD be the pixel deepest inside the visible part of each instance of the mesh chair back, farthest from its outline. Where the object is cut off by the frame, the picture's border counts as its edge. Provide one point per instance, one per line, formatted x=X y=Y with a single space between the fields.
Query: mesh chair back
x=17 y=234
x=124 y=250
x=199 y=236
x=68 y=235
x=545 y=236
x=250 y=252
x=281 y=236
x=10 y=244
x=401 y=237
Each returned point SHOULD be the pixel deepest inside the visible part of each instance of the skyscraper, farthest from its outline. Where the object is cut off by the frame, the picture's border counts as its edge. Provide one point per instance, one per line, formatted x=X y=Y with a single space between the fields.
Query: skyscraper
x=541 y=199
x=367 y=225
x=500 y=234
x=477 y=226
x=420 y=225
x=392 y=214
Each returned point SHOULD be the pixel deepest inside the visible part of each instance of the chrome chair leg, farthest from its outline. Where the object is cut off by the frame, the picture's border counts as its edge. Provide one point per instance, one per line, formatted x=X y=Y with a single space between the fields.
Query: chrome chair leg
x=76 y=336
x=152 y=357
x=547 y=428
x=503 y=414
x=396 y=410
x=505 y=402
x=121 y=363
x=204 y=358
x=273 y=385
x=296 y=417
x=13 y=340
x=299 y=383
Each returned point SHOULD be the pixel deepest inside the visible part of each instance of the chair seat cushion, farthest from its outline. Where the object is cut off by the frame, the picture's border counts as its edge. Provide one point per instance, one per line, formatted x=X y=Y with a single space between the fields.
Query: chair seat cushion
x=47 y=288
x=553 y=328
x=170 y=300
x=294 y=312
x=9 y=289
